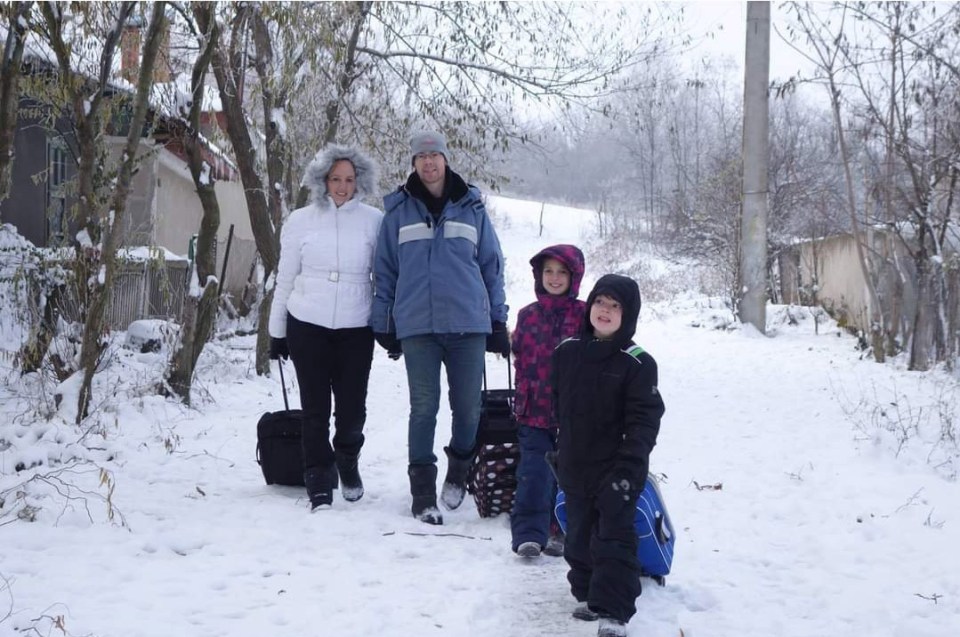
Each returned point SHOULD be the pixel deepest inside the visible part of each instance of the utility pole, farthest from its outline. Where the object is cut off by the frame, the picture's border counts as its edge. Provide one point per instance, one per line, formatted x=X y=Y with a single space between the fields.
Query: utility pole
x=756 y=141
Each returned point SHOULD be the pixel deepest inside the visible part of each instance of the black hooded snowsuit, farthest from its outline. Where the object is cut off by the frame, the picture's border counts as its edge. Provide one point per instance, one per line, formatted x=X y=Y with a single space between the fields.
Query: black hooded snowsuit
x=609 y=410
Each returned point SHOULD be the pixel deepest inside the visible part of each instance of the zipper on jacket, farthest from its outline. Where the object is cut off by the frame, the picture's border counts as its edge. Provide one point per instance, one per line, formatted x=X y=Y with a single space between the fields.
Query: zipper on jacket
x=336 y=286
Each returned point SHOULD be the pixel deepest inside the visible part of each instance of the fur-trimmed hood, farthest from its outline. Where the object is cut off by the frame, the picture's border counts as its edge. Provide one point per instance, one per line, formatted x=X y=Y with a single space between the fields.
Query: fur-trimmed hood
x=315 y=177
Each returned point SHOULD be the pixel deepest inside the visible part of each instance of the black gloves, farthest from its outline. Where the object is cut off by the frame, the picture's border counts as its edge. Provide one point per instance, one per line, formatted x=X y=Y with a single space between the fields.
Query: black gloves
x=279 y=349
x=498 y=342
x=620 y=488
x=616 y=495
x=389 y=342
x=623 y=488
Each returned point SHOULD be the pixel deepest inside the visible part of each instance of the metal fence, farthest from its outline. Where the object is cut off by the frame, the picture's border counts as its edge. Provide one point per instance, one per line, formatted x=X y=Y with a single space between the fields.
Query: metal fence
x=147 y=290
x=141 y=290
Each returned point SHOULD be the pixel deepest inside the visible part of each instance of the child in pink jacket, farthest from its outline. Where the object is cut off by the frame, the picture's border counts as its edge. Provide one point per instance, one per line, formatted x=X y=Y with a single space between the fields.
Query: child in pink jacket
x=541 y=326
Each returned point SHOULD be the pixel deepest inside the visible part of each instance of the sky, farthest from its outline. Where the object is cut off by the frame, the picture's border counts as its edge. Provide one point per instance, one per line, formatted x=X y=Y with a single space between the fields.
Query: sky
x=724 y=24
x=813 y=493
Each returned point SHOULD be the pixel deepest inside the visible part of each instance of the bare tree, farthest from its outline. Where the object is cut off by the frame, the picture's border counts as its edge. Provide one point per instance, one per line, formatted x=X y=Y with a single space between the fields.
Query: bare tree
x=824 y=39
x=200 y=305
x=914 y=112
x=379 y=70
x=102 y=203
x=266 y=198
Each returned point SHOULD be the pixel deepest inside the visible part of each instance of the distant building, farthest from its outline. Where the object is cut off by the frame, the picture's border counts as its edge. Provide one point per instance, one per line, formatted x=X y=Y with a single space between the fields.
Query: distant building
x=163 y=210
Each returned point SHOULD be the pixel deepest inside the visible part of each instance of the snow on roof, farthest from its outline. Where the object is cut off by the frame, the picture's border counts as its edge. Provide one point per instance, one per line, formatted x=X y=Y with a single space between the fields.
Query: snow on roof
x=172 y=99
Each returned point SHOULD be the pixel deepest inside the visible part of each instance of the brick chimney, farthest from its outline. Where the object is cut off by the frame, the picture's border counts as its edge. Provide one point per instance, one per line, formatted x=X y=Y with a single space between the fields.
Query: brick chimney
x=131 y=45
x=161 y=68
x=130 y=49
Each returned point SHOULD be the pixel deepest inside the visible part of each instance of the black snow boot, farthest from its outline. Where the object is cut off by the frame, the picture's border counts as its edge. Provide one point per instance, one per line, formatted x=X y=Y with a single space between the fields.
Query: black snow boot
x=455 y=484
x=320 y=483
x=423 y=488
x=610 y=627
x=351 y=486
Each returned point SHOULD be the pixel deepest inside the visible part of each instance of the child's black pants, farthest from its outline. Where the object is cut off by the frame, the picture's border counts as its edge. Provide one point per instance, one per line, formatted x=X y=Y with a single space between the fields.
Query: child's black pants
x=601 y=549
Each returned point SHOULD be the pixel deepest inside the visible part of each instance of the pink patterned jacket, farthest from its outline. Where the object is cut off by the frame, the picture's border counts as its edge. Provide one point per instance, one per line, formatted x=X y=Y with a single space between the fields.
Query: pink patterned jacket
x=541 y=326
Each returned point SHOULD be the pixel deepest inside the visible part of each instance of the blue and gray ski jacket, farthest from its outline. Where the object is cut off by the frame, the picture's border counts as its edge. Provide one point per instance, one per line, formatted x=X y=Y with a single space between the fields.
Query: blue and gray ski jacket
x=437 y=275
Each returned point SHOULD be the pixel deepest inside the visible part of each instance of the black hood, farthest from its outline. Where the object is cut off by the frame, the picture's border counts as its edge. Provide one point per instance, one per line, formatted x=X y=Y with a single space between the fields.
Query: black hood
x=626 y=291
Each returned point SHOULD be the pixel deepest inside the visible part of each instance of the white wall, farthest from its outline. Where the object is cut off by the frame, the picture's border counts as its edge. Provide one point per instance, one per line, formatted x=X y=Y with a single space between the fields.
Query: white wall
x=178 y=214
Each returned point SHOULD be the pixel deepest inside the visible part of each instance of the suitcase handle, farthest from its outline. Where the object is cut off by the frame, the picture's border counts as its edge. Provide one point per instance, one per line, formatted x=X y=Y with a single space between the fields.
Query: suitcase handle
x=286 y=403
x=661 y=530
x=509 y=375
x=283 y=386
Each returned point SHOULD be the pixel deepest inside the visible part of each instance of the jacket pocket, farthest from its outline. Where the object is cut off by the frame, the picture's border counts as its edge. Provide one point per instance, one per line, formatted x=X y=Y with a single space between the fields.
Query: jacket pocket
x=609 y=397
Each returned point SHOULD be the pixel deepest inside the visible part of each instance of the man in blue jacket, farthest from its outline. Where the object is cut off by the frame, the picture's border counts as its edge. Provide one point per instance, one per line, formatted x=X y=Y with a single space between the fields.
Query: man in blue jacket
x=439 y=299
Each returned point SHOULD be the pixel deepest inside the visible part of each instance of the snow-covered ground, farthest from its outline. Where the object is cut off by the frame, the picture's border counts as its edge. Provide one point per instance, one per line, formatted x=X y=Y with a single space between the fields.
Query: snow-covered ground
x=813 y=493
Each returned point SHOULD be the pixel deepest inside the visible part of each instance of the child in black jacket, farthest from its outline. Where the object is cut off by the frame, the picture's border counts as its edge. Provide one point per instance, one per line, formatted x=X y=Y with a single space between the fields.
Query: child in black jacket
x=609 y=409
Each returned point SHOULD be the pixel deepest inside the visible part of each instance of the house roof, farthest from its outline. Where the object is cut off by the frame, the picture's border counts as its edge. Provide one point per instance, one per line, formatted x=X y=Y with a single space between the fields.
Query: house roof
x=169 y=101
x=906 y=230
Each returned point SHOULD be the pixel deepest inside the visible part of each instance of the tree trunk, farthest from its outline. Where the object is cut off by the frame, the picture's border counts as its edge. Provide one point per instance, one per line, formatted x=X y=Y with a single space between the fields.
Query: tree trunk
x=101 y=286
x=17 y=13
x=923 y=322
x=860 y=237
x=199 y=310
x=229 y=69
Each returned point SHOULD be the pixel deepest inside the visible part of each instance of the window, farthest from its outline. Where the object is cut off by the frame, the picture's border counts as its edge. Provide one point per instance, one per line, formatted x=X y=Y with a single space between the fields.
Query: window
x=57 y=226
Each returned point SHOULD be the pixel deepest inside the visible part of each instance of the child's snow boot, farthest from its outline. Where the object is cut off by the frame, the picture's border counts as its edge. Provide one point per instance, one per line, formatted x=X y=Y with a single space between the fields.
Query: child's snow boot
x=610 y=627
x=554 y=547
x=528 y=550
x=583 y=613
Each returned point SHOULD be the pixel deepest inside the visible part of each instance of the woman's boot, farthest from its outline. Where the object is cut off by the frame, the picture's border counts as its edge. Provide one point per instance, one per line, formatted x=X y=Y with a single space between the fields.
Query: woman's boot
x=320 y=483
x=351 y=486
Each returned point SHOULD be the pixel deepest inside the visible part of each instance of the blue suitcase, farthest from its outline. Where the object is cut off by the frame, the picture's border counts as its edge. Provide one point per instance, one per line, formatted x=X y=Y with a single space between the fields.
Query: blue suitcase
x=654 y=529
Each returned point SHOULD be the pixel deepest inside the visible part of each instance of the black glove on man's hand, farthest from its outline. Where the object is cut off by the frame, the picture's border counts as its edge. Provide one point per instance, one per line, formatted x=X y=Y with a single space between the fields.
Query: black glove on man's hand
x=498 y=342
x=279 y=349
x=389 y=342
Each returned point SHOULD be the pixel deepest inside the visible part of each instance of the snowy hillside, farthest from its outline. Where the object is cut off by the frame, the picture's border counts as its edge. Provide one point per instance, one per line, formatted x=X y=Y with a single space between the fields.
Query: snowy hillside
x=814 y=493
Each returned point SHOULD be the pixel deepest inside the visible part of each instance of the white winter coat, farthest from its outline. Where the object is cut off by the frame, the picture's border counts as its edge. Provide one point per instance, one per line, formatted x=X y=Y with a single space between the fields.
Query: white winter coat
x=326 y=258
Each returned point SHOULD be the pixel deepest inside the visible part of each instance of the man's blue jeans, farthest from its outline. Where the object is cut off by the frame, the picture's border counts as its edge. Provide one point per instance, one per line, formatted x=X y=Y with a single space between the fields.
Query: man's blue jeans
x=462 y=356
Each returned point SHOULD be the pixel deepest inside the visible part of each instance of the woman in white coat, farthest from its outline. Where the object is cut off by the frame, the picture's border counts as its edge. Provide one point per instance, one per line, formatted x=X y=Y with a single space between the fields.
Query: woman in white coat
x=321 y=307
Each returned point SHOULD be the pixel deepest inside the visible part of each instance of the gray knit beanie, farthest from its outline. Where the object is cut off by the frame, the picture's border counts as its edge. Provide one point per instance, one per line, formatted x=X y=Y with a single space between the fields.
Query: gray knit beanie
x=428 y=142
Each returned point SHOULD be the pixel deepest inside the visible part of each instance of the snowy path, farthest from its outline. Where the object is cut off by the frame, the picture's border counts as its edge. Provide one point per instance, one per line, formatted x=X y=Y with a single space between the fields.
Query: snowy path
x=778 y=550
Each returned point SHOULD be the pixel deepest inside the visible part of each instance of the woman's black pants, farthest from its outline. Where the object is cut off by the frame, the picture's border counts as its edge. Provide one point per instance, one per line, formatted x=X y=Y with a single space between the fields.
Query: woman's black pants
x=329 y=362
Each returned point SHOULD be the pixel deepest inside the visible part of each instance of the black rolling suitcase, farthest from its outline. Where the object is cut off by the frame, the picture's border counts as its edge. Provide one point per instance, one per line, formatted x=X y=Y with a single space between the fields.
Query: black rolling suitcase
x=279 y=451
x=493 y=477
